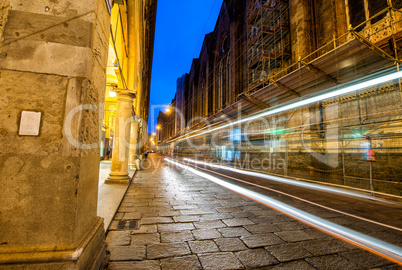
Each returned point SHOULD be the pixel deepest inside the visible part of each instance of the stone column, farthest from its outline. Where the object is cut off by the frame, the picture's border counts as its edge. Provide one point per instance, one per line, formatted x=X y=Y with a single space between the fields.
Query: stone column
x=301 y=29
x=121 y=141
x=53 y=57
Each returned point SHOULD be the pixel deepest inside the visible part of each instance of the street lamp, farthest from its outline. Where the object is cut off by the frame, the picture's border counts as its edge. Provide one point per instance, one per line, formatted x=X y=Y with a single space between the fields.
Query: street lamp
x=168 y=110
x=158 y=127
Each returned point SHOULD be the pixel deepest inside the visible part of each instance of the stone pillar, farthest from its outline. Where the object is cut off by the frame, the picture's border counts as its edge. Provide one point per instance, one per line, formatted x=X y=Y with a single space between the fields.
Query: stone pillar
x=121 y=141
x=53 y=58
x=135 y=52
x=301 y=28
x=134 y=143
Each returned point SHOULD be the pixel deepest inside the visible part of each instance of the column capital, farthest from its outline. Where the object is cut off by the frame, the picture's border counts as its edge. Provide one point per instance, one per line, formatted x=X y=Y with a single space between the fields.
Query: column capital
x=125 y=94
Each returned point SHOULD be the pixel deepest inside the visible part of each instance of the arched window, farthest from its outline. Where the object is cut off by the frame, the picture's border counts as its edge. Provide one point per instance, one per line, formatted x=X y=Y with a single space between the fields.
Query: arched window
x=224 y=45
x=223 y=91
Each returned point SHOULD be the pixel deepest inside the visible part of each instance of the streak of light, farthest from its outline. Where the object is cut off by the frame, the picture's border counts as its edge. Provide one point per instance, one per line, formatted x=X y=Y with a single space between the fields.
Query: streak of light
x=384 y=249
x=288 y=181
x=335 y=93
x=306 y=201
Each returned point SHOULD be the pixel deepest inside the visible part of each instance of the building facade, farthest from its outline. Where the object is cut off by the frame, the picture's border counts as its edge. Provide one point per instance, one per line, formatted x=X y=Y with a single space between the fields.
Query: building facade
x=53 y=76
x=264 y=55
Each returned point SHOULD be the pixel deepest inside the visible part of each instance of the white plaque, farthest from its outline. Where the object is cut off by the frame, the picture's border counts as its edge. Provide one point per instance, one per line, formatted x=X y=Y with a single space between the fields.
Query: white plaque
x=30 y=123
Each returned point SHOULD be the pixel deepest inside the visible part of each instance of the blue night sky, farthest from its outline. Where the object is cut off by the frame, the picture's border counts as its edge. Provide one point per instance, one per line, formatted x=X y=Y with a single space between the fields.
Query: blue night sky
x=180 y=29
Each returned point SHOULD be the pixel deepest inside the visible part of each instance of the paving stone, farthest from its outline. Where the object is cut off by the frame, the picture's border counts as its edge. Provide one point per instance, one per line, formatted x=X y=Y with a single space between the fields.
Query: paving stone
x=167 y=250
x=390 y=267
x=209 y=224
x=231 y=203
x=243 y=214
x=176 y=237
x=261 y=240
x=251 y=208
x=365 y=259
x=153 y=209
x=261 y=220
x=126 y=209
x=326 y=247
x=332 y=262
x=186 y=262
x=205 y=246
x=119 y=215
x=144 y=196
x=228 y=209
x=215 y=216
x=143 y=265
x=389 y=236
x=131 y=216
x=198 y=211
x=291 y=226
x=127 y=253
x=266 y=212
x=233 y=232
x=186 y=198
x=288 y=252
x=146 y=229
x=230 y=244
x=126 y=204
x=149 y=213
x=261 y=228
x=209 y=204
x=198 y=203
x=372 y=228
x=225 y=196
x=221 y=261
x=206 y=234
x=340 y=220
x=318 y=234
x=156 y=220
x=186 y=218
x=170 y=213
x=159 y=203
x=254 y=258
x=145 y=239
x=118 y=238
x=299 y=265
x=184 y=207
x=270 y=219
x=176 y=202
x=175 y=227
x=234 y=222
x=295 y=236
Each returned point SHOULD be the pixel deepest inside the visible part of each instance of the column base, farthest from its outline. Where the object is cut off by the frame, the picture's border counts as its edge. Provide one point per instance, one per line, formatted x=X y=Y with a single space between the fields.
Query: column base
x=90 y=254
x=116 y=178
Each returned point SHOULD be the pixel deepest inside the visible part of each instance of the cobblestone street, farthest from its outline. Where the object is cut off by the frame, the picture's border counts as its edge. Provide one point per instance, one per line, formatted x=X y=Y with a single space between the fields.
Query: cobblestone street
x=188 y=222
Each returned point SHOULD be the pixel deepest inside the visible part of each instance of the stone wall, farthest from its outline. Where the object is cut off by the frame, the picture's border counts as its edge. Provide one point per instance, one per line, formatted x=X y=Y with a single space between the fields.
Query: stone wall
x=54 y=56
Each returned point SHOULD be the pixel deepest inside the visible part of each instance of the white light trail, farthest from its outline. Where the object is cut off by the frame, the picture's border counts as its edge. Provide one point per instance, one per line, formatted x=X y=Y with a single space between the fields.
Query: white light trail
x=304 y=200
x=384 y=249
x=287 y=181
x=339 y=92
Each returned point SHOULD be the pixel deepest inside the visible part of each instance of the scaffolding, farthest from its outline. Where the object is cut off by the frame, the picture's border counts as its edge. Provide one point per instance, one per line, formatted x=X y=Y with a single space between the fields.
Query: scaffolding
x=268 y=40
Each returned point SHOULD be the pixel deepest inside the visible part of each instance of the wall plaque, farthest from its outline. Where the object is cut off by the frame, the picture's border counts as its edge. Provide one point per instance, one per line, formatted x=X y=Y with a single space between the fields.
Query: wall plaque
x=30 y=123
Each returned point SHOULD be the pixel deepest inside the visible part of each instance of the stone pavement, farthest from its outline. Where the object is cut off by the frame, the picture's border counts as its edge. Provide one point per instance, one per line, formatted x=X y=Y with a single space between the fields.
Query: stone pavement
x=188 y=222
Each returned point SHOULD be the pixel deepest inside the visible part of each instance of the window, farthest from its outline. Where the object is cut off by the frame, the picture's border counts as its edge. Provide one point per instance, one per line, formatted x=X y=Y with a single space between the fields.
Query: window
x=356 y=11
